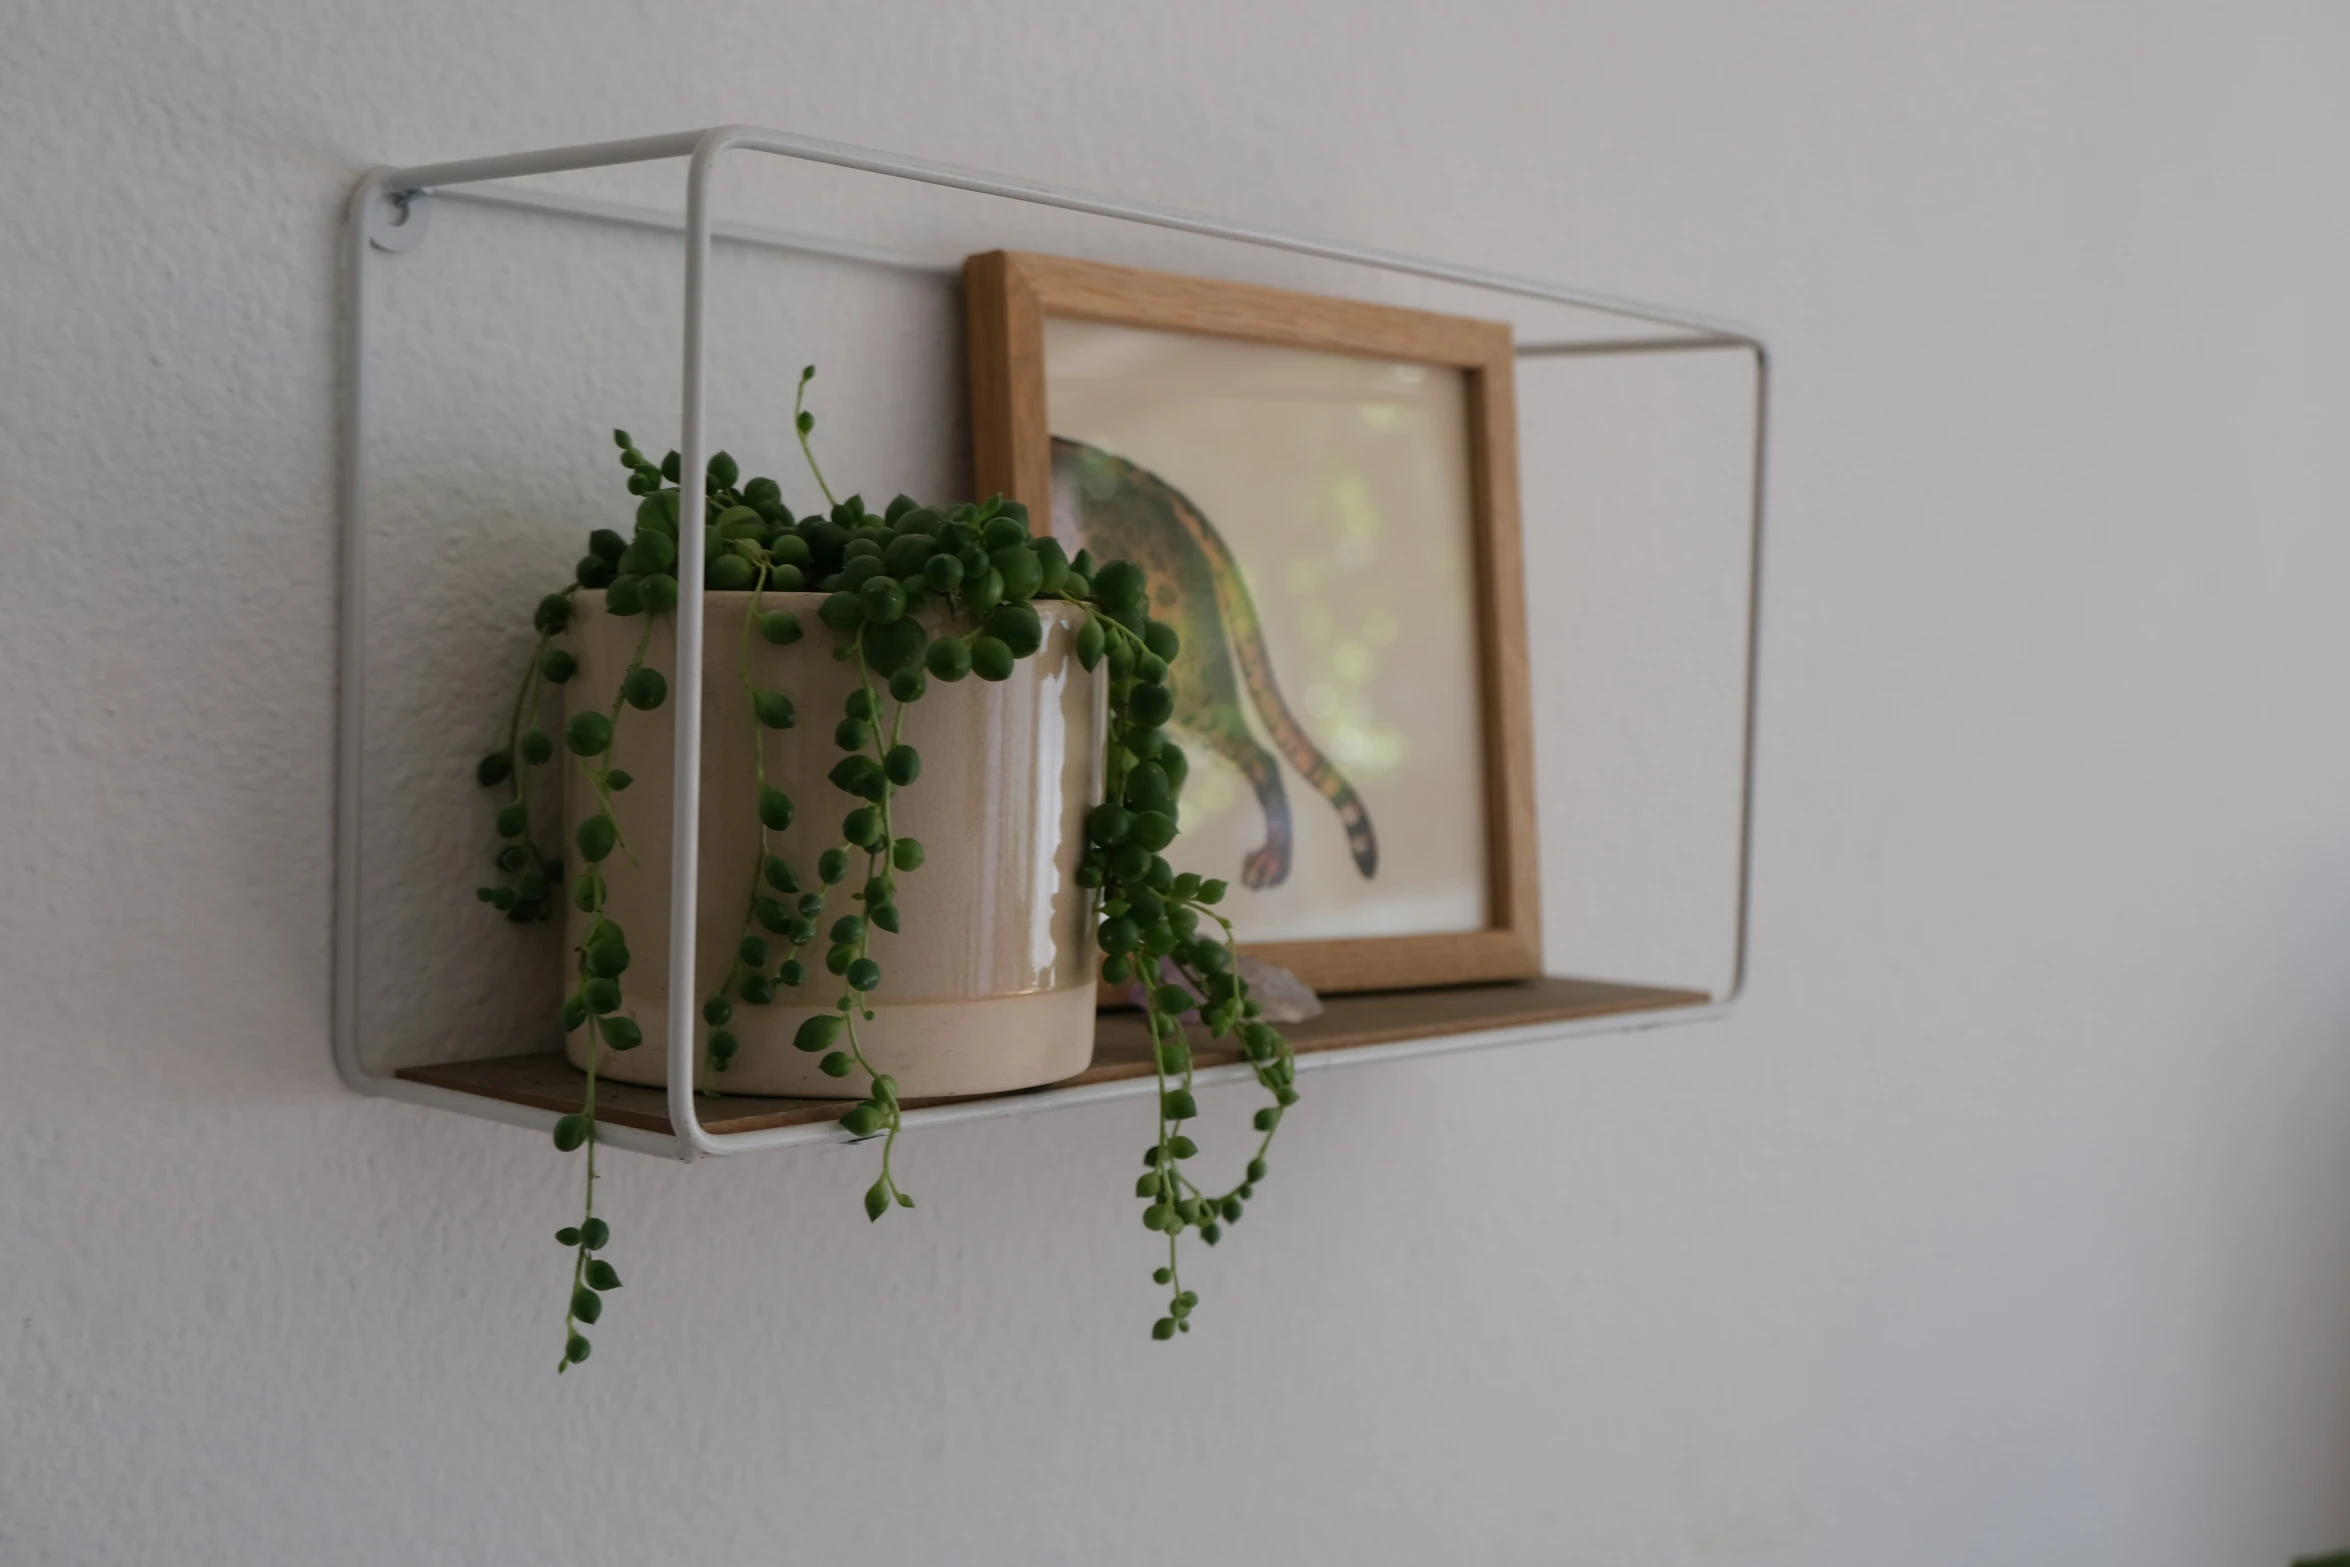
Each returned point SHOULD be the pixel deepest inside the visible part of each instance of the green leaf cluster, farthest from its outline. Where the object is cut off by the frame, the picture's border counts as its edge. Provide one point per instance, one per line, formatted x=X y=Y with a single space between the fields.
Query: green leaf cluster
x=911 y=594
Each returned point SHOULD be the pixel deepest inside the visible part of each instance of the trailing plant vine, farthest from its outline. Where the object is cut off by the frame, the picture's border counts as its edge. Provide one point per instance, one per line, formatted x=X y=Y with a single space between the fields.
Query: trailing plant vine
x=975 y=572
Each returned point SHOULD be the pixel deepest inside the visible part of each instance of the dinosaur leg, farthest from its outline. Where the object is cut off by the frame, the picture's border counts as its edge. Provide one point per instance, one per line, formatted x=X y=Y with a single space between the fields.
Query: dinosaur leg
x=1267 y=866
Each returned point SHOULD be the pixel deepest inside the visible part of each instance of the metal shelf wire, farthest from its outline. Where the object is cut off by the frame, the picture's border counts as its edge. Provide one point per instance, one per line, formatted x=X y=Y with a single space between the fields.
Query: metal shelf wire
x=389 y=214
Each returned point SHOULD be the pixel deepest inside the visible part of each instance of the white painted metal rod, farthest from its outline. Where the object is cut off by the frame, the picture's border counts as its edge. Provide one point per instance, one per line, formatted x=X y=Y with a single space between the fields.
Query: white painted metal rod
x=653 y=220
x=1038 y=193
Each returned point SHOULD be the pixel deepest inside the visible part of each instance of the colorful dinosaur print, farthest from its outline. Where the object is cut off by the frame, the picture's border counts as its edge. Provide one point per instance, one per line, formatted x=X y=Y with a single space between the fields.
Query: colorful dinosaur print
x=1121 y=511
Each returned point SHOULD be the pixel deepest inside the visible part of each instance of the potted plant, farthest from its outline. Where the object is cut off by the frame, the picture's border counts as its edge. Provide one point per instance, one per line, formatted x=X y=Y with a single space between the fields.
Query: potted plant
x=996 y=835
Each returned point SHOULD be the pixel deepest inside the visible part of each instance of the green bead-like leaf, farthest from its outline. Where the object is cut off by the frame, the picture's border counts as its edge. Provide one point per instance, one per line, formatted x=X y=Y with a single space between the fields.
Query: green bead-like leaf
x=818 y=1033
x=843 y=611
x=893 y=647
x=903 y=765
x=775 y=808
x=906 y=854
x=831 y=866
x=586 y=1305
x=877 y=1199
x=588 y=734
x=621 y=1033
x=1090 y=638
x=595 y=1233
x=570 y=1132
x=773 y=708
x=909 y=684
x=645 y=689
x=1021 y=571
x=863 y=974
x=567 y=1236
x=863 y=1121
x=601 y=1275
x=780 y=626
x=948 y=659
x=838 y=1064
x=596 y=838
x=511 y=820
x=1178 y=1105
x=1148 y=707
x=576 y=1350
x=1017 y=626
x=991 y=659
x=493 y=769
x=885 y=600
x=606 y=953
x=1121 y=585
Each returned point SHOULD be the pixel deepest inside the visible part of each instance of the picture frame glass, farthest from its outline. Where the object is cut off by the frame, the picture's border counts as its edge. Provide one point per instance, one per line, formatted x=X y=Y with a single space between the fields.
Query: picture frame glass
x=1306 y=518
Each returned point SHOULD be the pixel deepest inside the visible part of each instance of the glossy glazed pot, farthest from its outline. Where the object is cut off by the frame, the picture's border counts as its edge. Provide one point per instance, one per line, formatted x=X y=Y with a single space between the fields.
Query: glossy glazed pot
x=990 y=985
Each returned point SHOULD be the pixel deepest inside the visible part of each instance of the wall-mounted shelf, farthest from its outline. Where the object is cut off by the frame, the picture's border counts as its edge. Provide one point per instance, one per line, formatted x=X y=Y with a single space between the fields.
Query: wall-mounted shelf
x=388 y=216
x=1398 y=1023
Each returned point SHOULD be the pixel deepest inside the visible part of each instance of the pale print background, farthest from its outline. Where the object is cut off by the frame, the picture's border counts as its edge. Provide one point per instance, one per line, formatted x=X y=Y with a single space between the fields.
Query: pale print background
x=1341 y=486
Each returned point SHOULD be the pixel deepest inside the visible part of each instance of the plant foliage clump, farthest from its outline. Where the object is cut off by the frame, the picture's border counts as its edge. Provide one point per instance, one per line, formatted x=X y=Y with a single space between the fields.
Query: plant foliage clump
x=976 y=570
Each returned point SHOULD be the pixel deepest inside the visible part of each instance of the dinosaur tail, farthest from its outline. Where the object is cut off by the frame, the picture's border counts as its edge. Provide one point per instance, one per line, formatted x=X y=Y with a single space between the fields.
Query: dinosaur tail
x=1239 y=613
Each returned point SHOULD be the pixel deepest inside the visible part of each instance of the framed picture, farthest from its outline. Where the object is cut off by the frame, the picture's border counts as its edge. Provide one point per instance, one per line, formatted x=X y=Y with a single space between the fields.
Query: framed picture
x=1324 y=495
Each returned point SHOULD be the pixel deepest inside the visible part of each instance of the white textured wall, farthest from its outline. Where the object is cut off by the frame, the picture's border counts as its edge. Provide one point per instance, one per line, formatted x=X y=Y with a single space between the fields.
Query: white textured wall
x=2007 y=1225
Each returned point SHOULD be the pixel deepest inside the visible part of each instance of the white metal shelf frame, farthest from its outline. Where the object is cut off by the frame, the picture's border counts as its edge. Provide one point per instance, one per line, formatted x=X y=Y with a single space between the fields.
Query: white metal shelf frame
x=390 y=211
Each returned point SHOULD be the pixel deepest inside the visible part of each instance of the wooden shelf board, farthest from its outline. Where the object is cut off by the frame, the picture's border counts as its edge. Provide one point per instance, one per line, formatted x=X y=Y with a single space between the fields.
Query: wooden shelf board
x=545 y=1080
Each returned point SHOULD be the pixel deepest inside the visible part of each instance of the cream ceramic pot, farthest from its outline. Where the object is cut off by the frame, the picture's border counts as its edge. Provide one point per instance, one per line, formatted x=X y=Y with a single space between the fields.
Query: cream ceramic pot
x=989 y=987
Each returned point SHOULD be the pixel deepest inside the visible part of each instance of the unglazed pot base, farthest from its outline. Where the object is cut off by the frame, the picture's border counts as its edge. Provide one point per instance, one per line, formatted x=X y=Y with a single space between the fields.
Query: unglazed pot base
x=991 y=986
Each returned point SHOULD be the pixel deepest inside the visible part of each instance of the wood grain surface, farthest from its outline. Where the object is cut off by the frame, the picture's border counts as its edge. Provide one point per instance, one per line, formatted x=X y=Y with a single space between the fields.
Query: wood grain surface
x=1121 y=1050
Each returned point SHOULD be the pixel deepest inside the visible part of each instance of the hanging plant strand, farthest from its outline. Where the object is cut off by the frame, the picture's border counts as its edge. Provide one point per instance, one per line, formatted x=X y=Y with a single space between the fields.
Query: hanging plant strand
x=975 y=571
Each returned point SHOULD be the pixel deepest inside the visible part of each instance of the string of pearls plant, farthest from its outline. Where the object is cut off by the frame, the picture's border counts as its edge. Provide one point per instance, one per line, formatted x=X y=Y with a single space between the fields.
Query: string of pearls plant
x=980 y=569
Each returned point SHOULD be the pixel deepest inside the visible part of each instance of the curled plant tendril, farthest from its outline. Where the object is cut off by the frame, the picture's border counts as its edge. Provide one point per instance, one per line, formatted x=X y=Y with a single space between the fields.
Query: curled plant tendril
x=976 y=571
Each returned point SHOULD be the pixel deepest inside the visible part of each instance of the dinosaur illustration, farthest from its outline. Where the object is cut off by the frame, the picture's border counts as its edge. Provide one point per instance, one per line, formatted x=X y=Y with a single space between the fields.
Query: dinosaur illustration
x=1122 y=511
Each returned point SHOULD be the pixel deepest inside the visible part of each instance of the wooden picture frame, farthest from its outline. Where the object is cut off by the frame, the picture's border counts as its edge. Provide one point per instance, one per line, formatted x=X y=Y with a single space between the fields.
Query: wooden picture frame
x=1009 y=296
